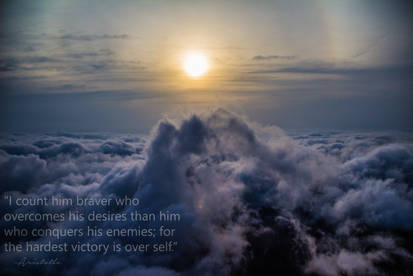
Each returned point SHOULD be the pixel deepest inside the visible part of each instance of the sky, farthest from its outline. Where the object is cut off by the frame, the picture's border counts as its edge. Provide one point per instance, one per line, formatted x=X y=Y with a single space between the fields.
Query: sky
x=117 y=65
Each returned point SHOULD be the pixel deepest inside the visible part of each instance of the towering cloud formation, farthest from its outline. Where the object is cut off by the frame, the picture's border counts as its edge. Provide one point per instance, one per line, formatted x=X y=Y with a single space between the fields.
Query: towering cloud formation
x=252 y=199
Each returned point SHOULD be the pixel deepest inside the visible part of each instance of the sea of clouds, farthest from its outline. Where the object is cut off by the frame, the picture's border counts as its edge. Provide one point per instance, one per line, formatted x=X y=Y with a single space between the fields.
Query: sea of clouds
x=253 y=200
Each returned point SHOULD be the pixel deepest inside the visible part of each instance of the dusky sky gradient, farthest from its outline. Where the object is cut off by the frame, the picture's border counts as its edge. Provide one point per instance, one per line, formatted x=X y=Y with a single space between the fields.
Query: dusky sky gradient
x=116 y=65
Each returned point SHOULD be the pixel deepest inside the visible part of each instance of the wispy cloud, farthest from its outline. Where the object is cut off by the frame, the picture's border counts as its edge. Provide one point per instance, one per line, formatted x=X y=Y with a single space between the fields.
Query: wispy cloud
x=24 y=63
x=91 y=54
x=327 y=68
x=371 y=45
x=271 y=57
x=92 y=37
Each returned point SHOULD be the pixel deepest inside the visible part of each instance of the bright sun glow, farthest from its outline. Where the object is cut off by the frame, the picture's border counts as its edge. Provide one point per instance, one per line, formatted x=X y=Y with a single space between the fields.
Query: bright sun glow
x=195 y=64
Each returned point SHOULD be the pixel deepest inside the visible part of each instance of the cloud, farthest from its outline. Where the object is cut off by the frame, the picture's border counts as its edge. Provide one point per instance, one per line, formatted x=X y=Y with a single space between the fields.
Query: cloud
x=25 y=63
x=153 y=271
x=328 y=68
x=119 y=148
x=372 y=45
x=345 y=263
x=8 y=64
x=92 y=37
x=68 y=87
x=252 y=200
x=17 y=171
x=271 y=57
x=96 y=54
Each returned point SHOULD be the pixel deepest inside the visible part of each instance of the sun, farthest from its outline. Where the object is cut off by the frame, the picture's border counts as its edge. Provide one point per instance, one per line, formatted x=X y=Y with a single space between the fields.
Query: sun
x=195 y=64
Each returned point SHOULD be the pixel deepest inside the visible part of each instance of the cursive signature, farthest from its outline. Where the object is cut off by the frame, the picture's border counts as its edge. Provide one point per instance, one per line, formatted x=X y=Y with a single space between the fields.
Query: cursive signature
x=25 y=262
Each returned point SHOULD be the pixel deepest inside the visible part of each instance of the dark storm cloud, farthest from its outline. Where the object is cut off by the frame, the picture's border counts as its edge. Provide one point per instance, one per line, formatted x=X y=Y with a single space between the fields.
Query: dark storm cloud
x=272 y=57
x=253 y=201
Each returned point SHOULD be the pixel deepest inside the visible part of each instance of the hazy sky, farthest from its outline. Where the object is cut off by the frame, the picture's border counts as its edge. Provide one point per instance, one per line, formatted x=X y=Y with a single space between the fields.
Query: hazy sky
x=117 y=65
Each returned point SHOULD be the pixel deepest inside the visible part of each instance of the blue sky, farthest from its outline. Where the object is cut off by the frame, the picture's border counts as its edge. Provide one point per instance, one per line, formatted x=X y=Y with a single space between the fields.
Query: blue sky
x=117 y=65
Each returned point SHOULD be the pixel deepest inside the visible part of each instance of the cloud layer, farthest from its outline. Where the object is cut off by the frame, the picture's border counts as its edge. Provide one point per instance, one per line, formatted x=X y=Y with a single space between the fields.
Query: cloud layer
x=253 y=200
